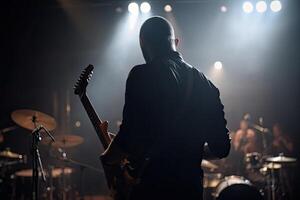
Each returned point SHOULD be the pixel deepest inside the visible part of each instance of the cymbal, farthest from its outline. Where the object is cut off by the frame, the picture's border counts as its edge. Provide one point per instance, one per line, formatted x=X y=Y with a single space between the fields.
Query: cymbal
x=281 y=159
x=25 y=173
x=9 y=154
x=56 y=172
x=208 y=165
x=64 y=141
x=26 y=118
x=273 y=165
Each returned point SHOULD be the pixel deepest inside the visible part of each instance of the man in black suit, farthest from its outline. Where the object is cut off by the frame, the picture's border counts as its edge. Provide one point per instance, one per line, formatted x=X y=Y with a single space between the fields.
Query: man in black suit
x=170 y=111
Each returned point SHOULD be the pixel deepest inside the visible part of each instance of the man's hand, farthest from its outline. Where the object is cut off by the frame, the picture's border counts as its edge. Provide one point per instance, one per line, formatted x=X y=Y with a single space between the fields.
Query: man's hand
x=112 y=155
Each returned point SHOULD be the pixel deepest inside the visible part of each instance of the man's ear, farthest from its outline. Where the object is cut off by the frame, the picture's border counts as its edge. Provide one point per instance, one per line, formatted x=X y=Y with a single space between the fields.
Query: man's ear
x=176 y=42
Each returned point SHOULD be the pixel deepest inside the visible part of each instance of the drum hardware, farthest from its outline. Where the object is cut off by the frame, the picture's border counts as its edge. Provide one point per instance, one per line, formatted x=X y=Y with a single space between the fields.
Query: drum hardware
x=9 y=154
x=253 y=160
x=208 y=165
x=260 y=128
x=256 y=162
x=53 y=174
x=281 y=159
x=30 y=119
x=8 y=158
x=63 y=157
x=64 y=141
x=35 y=121
x=276 y=164
x=269 y=166
x=8 y=129
x=50 y=188
x=236 y=187
x=211 y=180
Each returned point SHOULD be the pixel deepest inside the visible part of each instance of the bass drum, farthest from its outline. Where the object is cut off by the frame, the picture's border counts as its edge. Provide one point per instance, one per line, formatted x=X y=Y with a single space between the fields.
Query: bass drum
x=237 y=188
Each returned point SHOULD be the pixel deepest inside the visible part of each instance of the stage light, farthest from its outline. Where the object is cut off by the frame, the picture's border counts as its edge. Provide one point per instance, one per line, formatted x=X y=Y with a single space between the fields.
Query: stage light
x=275 y=6
x=145 y=7
x=133 y=8
x=168 y=8
x=261 y=6
x=223 y=9
x=247 y=7
x=218 y=65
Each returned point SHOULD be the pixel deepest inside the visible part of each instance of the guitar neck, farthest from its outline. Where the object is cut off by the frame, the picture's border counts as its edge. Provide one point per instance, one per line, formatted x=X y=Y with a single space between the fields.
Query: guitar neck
x=96 y=121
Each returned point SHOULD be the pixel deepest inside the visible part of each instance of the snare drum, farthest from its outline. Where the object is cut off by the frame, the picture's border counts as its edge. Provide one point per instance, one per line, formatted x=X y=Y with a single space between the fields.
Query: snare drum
x=238 y=188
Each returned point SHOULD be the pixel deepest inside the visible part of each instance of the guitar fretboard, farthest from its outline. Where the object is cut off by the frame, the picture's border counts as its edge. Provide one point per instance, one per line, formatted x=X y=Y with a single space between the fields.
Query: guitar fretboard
x=96 y=121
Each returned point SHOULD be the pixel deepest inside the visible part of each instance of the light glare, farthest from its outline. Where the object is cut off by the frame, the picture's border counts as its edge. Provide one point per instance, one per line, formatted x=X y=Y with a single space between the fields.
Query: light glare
x=261 y=6
x=223 y=9
x=275 y=6
x=168 y=8
x=133 y=8
x=247 y=7
x=145 y=7
x=218 y=65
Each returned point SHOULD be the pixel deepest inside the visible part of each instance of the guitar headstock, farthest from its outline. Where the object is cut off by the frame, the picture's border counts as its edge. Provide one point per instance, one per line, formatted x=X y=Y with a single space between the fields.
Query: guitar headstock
x=82 y=82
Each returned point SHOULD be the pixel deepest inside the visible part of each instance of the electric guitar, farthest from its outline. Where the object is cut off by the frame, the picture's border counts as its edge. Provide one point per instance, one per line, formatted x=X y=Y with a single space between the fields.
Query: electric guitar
x=118 y=177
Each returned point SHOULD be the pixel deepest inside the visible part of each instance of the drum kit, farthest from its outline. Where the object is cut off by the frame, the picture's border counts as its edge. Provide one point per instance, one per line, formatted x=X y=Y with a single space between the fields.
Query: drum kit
x=19 y=184
x=264 y=179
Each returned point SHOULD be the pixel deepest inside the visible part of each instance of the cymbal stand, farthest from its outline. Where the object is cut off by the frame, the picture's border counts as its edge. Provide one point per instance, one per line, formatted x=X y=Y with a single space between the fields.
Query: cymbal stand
x=273 y=184
x=50 y=188
x=36 y=158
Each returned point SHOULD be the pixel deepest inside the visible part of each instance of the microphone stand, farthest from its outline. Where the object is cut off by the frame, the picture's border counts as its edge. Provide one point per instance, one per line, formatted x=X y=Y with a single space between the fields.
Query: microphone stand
x=36 y=158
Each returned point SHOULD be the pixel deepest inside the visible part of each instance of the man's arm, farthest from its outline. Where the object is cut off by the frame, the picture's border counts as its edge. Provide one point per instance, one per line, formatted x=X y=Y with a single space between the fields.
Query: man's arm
x=214 y=123
x=121 y=145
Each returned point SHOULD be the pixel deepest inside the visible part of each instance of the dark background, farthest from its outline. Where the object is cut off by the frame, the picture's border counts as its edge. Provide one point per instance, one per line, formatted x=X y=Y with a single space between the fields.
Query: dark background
x=46 y=45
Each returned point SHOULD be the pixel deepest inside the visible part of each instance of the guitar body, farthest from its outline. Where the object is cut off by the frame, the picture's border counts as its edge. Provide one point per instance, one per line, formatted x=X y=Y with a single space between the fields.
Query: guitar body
x=118 y=176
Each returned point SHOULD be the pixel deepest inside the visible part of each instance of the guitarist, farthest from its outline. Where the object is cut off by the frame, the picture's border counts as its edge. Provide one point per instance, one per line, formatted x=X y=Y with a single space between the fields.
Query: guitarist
x=170 y=111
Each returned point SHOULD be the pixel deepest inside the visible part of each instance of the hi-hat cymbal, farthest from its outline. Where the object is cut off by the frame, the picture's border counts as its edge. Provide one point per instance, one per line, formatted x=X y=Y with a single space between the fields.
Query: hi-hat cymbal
x=30 y=119
x=64 y=141
x=281 y=159
x=9 y=154
x=208 y=165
